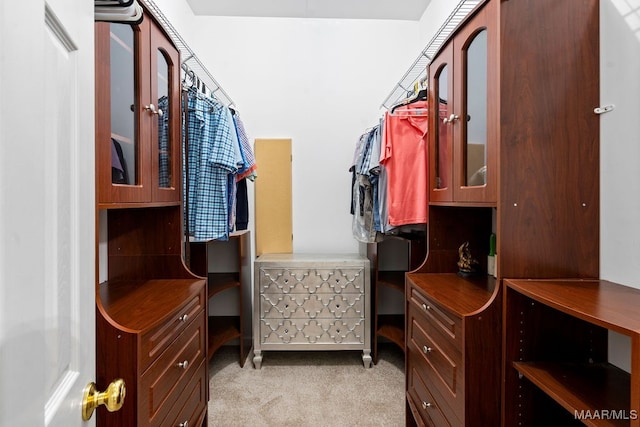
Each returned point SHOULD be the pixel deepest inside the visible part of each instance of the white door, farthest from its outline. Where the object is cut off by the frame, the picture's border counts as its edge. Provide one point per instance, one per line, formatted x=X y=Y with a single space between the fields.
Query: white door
x=47 y=261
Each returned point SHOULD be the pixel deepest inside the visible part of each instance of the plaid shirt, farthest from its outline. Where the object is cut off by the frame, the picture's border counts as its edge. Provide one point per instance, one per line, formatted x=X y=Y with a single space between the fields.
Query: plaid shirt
x=164 y=148
x=249 y=167
x=212 y=165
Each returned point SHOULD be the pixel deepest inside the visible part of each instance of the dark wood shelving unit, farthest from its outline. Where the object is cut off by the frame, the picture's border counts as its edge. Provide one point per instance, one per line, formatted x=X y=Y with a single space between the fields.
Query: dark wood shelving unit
x=226 y=264
x=558 y=343
x=393 y=250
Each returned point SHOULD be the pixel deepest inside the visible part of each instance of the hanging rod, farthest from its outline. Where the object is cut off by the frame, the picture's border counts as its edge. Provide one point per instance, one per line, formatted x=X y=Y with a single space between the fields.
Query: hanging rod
x=417 y=72
x=188 y=57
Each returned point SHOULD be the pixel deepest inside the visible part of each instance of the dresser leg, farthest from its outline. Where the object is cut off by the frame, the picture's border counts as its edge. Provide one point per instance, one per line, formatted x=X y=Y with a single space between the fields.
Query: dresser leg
x=366 y=358
x=257 y=359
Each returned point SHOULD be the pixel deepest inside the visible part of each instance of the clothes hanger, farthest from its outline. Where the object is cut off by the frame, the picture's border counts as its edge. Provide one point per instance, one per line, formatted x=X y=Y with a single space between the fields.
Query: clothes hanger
x=420 y=94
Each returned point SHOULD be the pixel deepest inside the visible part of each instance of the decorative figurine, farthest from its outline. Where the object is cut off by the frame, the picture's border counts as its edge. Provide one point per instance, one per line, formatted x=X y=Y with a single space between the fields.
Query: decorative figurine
x=467 y=265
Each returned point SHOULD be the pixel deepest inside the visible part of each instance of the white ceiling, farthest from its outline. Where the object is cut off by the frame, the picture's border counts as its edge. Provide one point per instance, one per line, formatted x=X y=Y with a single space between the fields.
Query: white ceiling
x=338 y=9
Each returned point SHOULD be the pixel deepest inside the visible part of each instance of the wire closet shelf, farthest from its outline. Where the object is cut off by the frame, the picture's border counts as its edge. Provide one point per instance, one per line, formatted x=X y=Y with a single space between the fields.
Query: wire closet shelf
x=188 y=56
x=417 y=72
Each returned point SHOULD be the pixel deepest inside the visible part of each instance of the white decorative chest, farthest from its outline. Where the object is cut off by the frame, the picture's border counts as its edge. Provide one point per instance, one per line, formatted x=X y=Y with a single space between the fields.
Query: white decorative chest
x=311 y=302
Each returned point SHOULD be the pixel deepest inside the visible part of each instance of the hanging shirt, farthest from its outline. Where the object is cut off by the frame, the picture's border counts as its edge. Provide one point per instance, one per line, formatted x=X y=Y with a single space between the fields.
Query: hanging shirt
x=365 y=222
x=404 y=155
x=212 y=162
x=164 y=150
x=248 y=170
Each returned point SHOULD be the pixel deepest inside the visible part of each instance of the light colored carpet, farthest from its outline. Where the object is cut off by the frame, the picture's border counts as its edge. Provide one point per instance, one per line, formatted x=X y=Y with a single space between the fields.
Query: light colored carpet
x=307 y=389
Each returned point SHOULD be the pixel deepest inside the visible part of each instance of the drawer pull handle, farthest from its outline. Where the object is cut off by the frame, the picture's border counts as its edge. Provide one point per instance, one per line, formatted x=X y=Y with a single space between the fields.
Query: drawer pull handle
x=184 y=424
x=183 y=365
x=184 y=317
x=426 y=349
x=426 y=405
x=426 y=307
x=286 y=331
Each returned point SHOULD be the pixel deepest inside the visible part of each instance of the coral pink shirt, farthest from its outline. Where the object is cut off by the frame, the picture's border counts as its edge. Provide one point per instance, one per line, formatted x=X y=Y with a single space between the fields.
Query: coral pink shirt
x=404 y=155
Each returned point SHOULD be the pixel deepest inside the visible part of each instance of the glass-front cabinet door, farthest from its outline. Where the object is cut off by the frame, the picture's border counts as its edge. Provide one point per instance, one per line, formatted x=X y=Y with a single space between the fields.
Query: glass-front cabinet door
x=441 y=140
x=121 y=156
x=165 y=134
x=476 y=110
x=137 y=105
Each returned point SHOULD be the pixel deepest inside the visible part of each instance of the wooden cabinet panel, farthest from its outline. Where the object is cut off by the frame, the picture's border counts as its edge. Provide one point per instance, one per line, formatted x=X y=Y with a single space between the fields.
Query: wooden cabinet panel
x=138 y=133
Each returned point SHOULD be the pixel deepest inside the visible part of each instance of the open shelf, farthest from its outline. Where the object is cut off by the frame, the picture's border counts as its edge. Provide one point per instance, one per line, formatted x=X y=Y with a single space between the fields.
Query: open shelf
x=226 y=265
x=391 y=326
x=219 y=282
x=556 y=344
x=580 y=388
x=222 y=329
x=392 y=279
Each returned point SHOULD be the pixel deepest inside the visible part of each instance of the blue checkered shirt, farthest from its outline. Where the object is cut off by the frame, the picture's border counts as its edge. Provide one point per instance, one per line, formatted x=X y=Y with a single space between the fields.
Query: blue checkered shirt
x=249 y=166
x=212 y=164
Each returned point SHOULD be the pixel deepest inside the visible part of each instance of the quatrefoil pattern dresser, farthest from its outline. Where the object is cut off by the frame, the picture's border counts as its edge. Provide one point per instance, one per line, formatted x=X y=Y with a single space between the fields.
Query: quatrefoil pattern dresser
x=311 y=302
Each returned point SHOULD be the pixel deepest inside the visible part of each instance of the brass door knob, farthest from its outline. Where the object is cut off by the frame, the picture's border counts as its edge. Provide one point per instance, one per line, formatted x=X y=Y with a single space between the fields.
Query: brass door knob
x=112 y=398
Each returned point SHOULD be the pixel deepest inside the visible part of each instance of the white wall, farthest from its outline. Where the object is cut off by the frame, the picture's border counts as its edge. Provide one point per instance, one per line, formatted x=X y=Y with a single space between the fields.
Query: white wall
x=319 y=82
x=620 y=141
x=620 y=153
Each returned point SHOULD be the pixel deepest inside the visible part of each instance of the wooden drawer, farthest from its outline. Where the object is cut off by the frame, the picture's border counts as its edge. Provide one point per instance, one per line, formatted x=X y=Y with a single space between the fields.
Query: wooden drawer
x=285 y=280
x=428 y=408
x=438 y=321
x=446 y=364
x=190 y=406
x=321 y=306
x=167 y=377
x=442 y=372
x=159 y=338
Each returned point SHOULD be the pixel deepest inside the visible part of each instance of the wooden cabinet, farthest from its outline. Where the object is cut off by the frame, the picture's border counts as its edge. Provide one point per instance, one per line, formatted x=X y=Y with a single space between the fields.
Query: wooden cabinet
x=227 y=266
x=556 y=366
x=138 y=115
x=151 y=311
x=152 y=334
x=541 y=196
x=463 y=147
x=452 y=349
x=390 y=259
x=150 y=320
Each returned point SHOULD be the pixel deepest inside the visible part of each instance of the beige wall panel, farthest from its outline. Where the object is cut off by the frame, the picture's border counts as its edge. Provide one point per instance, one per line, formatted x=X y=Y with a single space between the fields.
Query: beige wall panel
x=274 y=224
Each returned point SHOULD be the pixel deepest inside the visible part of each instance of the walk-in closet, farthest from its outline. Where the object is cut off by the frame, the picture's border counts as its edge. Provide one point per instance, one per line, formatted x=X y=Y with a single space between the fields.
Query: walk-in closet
x=319 y=213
